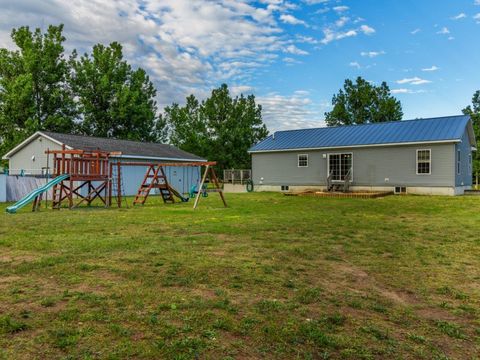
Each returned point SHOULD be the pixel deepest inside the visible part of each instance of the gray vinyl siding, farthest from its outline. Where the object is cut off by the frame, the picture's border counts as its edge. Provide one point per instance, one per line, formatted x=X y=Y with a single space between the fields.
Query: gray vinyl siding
x=372 y=166
x=22 y=159
x=465 y=176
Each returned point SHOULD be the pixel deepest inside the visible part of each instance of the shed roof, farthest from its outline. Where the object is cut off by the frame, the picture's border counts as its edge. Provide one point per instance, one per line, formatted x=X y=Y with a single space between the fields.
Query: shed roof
x=128 y=148
x=444 y=129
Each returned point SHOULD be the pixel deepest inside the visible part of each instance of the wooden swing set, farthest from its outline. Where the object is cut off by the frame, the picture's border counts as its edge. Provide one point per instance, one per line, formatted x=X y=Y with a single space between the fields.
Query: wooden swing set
x=93 y=170
x=155 y=178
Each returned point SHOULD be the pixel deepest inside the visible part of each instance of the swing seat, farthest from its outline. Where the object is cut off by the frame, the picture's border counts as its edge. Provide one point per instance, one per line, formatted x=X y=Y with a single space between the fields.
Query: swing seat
x=194 y=191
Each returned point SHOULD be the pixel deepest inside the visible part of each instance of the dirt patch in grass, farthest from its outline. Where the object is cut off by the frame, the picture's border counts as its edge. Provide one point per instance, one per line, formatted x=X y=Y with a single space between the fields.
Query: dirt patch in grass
x=16 y=259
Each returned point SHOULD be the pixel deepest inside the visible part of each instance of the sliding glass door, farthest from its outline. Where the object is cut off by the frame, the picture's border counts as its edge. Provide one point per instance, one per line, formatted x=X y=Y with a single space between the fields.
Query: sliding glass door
x=339 y=165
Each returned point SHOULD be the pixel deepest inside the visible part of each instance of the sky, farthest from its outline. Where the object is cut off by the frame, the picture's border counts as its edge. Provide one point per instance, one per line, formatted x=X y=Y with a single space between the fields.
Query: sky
x=292 y=55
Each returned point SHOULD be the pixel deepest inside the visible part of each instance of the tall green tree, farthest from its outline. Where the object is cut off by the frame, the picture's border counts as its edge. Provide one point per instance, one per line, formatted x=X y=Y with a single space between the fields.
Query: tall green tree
x=474 y=112
x=114 y=100
x=360 y=102
x=34 y=91
x=220 y=128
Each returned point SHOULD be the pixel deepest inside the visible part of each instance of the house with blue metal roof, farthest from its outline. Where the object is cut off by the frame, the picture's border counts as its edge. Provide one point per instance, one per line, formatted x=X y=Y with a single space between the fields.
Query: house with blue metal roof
x=421 y=156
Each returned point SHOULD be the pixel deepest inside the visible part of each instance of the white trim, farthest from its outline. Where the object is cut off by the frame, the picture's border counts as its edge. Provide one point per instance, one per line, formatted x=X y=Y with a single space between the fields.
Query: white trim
x=458 y=163
x=357 y=146
x=298 y=160
x=429 y=162
x=29 y=140
x=328 y=164
x=155 y=158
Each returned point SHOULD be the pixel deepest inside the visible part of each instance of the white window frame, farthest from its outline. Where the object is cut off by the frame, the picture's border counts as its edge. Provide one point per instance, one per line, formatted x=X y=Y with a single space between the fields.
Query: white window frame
x=298 y=161
x=328 y=165
x=459 y=162
x=429 y=161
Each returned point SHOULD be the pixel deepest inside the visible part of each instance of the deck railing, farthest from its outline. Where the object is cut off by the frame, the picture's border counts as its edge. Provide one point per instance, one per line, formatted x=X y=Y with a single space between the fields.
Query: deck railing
x=80 y=164
x=237 y=176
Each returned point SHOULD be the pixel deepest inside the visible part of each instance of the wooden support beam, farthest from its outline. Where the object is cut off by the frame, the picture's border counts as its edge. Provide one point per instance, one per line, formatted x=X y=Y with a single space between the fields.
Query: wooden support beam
x=200 y=186
x=217 y=185
x=179 y=164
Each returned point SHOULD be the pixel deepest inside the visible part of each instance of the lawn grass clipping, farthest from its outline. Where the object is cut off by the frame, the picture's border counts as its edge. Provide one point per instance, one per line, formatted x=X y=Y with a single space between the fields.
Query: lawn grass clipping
x=269 y=277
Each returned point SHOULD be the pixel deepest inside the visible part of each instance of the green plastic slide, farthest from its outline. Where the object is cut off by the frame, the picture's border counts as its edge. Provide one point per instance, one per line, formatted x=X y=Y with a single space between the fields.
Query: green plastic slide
x=30 y=197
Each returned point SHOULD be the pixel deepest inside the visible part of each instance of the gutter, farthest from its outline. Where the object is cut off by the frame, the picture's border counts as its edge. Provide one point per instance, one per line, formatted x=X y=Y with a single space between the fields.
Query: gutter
x=157 y=158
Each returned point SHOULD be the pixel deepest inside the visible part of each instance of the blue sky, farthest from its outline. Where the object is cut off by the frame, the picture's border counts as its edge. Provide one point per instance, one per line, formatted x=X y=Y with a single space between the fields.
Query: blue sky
x=293 y=55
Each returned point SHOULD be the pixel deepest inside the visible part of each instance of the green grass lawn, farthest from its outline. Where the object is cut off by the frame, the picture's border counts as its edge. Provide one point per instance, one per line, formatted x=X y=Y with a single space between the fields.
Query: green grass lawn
x=269 y=277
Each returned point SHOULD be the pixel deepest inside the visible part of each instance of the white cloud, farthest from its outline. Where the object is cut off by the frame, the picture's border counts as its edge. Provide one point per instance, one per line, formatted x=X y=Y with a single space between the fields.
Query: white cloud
x=399 y=91
x=367 y=30
x=355 y=64
x=292 y=20
x=444 y=31
x=477 y=2
x=459 y=16
x=413 y=81
x=433 y=68
x=331 y=35
x=342 y=21
x=406 y=91
x=186 y=46
x=416 y=31
x=292 y=49
x=306 y=39
x=477 y=17
x=372 y=54
x=290 y=61
x=341 y=8
x=283 y=112
x=241 y=89
x=315 y=2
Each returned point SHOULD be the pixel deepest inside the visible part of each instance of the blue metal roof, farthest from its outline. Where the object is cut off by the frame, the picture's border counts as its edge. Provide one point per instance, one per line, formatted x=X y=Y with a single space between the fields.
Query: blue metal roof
x=405 y=131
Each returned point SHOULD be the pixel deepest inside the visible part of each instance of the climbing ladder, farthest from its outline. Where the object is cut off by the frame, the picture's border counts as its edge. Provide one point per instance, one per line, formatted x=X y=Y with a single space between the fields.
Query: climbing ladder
x=117 y=185
x=154 y=179
x=57 y=196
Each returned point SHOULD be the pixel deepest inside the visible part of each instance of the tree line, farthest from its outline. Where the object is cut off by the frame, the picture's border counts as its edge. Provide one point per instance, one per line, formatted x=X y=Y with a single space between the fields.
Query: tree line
x=101 y=94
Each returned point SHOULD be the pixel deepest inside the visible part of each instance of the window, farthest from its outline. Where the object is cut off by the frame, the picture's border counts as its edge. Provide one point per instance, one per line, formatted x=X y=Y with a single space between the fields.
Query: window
x=424 y=162
x=470 y=162
x=303 y=160
x=339 y=165
x=400 y=190
x=285 y=187
x=459 y=164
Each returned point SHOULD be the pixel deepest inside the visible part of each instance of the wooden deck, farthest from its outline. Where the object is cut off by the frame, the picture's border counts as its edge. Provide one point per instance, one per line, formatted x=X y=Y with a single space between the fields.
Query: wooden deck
x=333 y=194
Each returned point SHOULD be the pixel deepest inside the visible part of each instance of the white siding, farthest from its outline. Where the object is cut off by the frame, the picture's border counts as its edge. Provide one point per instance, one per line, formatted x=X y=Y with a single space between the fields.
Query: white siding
x=22 y=159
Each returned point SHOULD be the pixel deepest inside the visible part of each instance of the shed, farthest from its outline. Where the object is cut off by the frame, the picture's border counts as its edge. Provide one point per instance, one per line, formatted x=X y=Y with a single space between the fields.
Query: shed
x=29 y=158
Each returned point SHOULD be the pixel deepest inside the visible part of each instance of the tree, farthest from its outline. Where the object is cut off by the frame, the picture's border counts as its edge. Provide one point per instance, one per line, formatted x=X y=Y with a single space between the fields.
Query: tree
x=474 y=112
x=220 y=128
x=363 y=103
x=34 y=92
x=114 y=100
